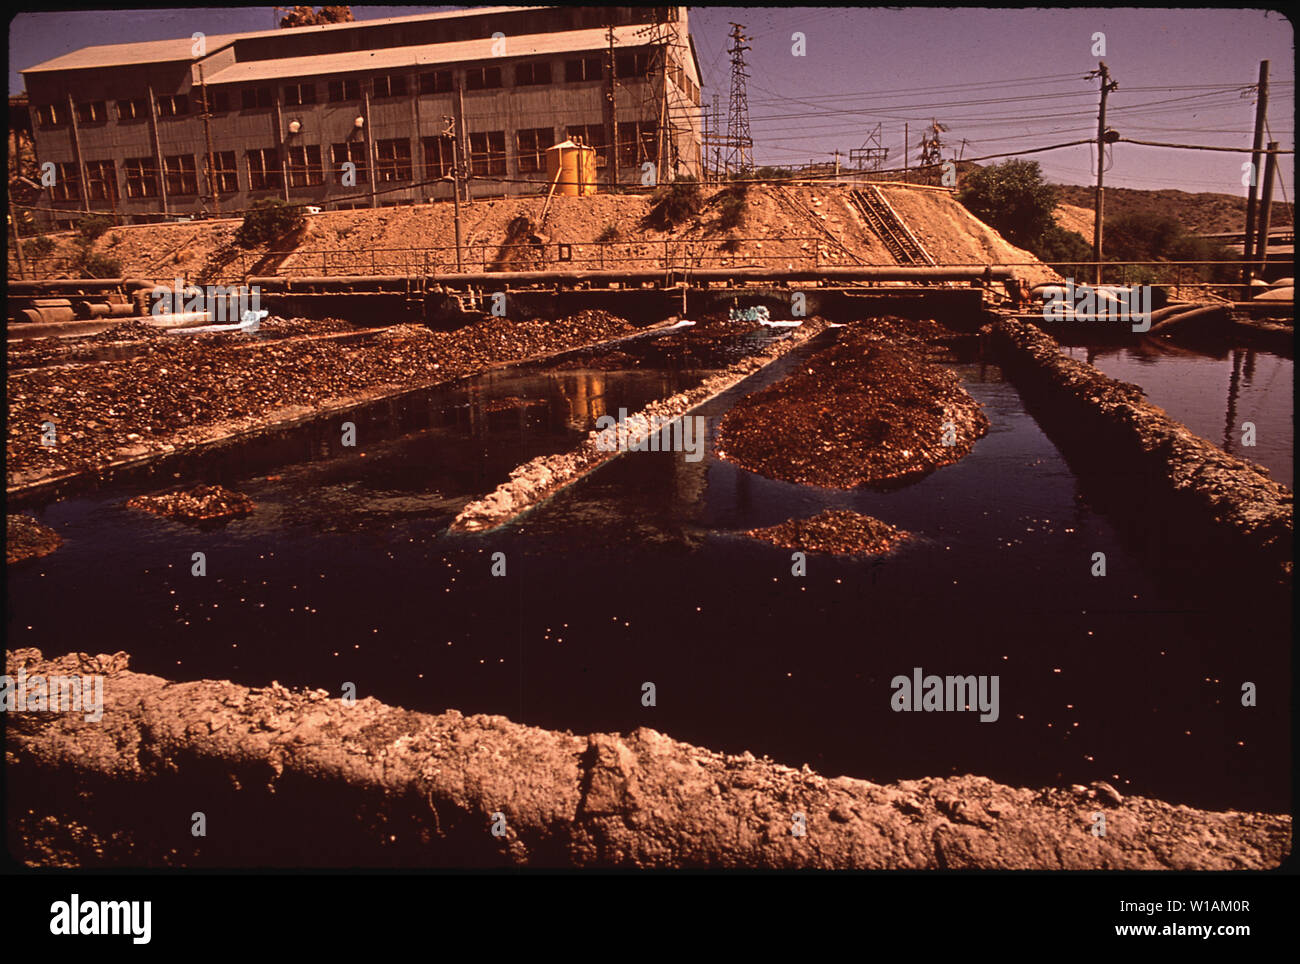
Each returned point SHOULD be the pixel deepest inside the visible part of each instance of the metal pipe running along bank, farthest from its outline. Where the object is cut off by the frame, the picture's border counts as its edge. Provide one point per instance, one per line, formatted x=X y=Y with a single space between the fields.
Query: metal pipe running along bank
x=624 y=277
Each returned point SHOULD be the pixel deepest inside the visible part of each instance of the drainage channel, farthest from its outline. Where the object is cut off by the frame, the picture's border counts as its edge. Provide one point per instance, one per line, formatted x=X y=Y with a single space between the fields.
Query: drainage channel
x=641 y=573
x=1214 y=395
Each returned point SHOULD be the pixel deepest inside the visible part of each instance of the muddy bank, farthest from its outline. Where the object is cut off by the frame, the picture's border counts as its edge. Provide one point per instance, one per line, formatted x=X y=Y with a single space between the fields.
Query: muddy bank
x=536 y=481
x=181 y=392
x=868 y=410
x=26 y=538
x=1176 y=472
x=290 y=778
x=840 y=532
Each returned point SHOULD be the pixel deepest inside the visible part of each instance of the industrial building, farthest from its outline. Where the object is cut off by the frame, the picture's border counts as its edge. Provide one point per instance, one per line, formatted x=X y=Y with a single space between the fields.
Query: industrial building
x=364 y=114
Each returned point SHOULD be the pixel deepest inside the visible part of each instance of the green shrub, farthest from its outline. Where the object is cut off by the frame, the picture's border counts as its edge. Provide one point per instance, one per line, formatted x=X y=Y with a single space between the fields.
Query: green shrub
x=731 y=210
x=39 y=247
x=90 y=265
x=676 y=203
x=609 y=232
x=267 y=221
x=92 y=227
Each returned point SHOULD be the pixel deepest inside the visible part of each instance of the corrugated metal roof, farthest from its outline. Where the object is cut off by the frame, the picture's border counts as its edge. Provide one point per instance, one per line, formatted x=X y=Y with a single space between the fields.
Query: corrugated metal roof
x=460 y=51
x=167 y=51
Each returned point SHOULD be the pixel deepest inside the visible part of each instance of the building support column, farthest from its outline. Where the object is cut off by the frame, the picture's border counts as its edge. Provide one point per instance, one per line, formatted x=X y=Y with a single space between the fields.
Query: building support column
x=160 y=173
x=84 y=188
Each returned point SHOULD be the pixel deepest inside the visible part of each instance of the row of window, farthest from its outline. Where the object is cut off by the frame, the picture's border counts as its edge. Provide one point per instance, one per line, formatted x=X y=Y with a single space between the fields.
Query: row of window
x=536 y=73
x=304 y=167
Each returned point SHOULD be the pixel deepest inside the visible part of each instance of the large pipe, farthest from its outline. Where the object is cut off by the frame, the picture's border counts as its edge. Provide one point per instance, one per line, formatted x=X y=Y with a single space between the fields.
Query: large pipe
x=76 y=285
x=862 y=273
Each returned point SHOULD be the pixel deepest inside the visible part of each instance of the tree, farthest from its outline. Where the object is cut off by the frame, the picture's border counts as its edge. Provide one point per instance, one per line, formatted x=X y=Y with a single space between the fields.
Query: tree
x=268 y=220
x=1013 y=199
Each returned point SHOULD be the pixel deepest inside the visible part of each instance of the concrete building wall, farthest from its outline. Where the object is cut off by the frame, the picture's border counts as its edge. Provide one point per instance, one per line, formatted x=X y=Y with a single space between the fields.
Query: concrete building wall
x=88 y=129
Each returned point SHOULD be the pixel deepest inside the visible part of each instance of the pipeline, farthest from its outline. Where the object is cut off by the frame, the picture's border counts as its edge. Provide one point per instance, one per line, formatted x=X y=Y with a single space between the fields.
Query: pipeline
x=864 y=273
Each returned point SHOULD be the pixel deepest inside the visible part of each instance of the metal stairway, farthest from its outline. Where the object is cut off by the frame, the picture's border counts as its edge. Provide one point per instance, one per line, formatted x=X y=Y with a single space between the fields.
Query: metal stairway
x=884 y=220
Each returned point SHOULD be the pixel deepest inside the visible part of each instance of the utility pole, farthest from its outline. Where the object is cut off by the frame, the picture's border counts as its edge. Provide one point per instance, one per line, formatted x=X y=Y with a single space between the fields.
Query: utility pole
x=207 y=134
x=1266 y=206
x=905 y=161
x=837 y=164
x=462 y=142
x=1107 y=85
x=613 y=110
x=1261 y=114
x=18 y=241
x=457 y=174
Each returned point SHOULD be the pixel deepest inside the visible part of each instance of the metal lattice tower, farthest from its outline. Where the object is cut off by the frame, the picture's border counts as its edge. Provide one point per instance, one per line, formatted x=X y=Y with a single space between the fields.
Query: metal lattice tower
x=871 y=155
x=931 y=146
x=740 y=145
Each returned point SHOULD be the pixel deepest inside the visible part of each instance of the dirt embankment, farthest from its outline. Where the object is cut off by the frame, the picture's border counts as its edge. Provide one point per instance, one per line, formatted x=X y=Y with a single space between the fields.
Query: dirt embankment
x=288 y=778
x=870 y=409
x=1239 y=504
x=182 y=390
x=778 y=226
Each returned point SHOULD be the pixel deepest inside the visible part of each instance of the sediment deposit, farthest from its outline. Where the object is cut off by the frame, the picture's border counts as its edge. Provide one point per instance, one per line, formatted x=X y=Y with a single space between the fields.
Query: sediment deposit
x=868 y=410
x=301 y=778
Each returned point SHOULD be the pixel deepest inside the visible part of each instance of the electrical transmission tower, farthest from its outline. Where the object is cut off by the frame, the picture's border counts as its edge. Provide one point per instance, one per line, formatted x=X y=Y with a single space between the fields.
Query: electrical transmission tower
x=930 y=145
x=740 y=145
x=871 y=155
x=665 y=54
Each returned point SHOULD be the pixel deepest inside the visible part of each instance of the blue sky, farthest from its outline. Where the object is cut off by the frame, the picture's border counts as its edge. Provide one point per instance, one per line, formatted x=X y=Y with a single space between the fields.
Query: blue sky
x=1002 y=80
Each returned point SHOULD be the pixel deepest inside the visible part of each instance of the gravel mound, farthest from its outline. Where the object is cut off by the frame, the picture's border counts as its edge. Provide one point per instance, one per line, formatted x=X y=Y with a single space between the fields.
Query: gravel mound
x=840 y=532
x=867 y=410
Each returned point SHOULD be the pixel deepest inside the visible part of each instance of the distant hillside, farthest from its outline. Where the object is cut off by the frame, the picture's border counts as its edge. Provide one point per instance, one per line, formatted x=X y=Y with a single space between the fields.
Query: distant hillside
x=1198 y=213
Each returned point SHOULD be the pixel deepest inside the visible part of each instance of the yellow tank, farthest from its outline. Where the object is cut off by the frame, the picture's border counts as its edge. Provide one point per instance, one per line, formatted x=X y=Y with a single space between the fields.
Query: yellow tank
x=576 y=166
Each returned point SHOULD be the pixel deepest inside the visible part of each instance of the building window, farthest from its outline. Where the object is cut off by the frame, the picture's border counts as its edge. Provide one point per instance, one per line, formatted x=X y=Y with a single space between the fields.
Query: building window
x=593 y=135
x=173 y=105
x=437 y=82
x=225 y=172
x=305 y=168
x=256 y=98
x=532 y=74
x=101 y=180
x=295 y=95
x=92 y=112
x=218 y=101
x=392 y=160
x=531 y=144
x=390 y=85
x=67 y=183
x=637 y=142
x=354 y=151
x=264 y=169
x=51 y=115
x=487 y=152
x=482 y=78
x=675 y=73
x=130 y=110
x=439 y=157
x=632 y=63
x=141 y=177
x=180 y=174
x=344 y=90
x=584 y=68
